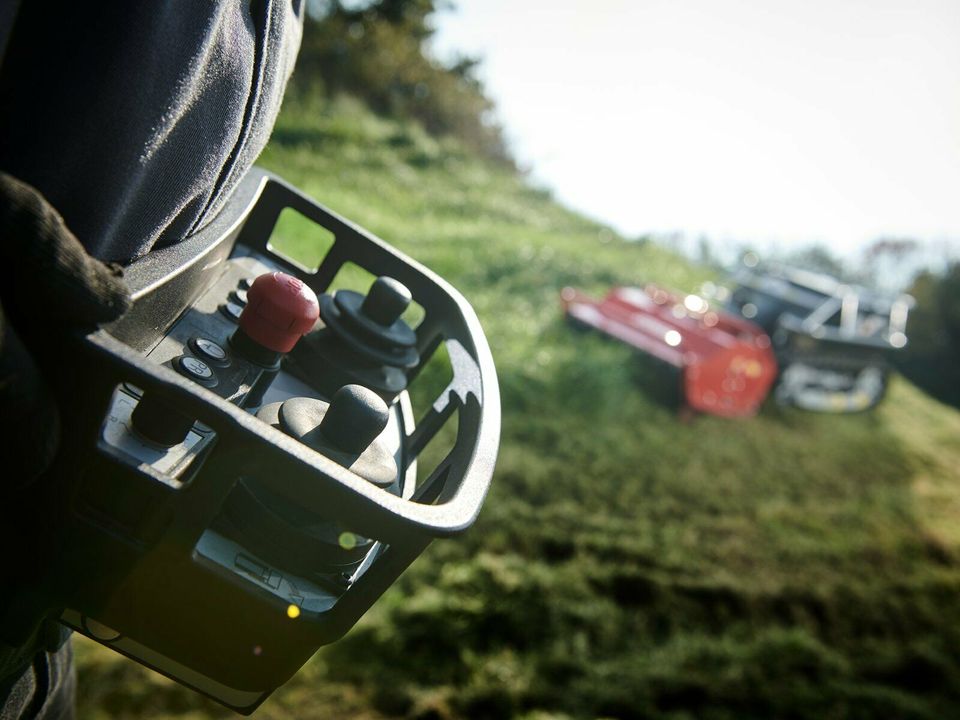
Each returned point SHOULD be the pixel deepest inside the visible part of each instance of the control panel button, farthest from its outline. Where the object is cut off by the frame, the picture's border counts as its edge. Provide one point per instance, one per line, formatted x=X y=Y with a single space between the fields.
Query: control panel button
x=232 y=310
x=195 y=369
x=245 y=283
x=209 y=349
x=239 y=296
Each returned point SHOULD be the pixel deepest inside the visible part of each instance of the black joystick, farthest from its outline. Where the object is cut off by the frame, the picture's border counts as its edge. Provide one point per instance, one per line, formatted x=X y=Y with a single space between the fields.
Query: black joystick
x=364 y=341
x=387 y=300
x=157 y=422
x=351 y=423
x=347 y=431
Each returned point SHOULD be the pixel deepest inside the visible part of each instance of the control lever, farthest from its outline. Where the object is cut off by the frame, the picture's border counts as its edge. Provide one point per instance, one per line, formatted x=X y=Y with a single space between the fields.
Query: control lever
x=364 y=340
x=347 y=431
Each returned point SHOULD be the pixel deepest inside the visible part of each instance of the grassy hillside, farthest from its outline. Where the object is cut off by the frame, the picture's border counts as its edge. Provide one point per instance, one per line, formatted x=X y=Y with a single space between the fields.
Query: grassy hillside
x=626 y=564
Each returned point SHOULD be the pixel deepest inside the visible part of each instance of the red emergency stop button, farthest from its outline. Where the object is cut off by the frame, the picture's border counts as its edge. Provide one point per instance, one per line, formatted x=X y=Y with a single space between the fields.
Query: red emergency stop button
x=280 y=309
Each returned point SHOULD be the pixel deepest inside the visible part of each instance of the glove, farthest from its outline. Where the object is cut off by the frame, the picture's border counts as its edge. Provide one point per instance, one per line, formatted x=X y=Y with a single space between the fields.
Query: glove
x=49 y=285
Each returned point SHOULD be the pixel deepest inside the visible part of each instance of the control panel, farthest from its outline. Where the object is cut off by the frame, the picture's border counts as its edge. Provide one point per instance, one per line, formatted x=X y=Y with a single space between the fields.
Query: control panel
x=244 y=479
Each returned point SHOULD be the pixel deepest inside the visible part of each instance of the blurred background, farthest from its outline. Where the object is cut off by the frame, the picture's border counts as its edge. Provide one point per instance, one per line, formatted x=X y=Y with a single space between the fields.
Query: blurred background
x=635 y=561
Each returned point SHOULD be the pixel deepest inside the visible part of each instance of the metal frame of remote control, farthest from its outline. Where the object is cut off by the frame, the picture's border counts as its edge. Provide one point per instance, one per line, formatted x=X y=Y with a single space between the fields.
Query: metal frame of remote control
x=151 y=593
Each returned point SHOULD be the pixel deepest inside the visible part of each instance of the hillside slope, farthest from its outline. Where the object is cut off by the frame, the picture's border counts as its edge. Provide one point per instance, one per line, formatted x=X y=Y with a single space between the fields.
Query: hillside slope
x=626 y=564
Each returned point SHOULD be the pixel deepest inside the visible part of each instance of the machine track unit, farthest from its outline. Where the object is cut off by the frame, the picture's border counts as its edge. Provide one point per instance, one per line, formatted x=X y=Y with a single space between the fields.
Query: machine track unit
x=832 y=339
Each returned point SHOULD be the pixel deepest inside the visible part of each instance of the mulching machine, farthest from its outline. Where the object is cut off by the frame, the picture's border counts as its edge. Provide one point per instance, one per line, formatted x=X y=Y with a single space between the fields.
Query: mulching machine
x=822 y=344
x=832 y=339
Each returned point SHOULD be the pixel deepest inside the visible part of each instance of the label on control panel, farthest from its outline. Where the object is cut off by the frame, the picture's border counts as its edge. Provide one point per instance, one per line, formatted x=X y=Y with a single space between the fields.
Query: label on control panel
x=234 y=558
x=209 y=348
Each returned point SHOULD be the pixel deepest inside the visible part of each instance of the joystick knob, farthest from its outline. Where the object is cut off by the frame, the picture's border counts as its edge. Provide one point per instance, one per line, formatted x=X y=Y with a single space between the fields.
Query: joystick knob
x=363 y=340
x=346 y=429
x=351 y=421
x=355 y=418
x=386 y=301
x=280 y=309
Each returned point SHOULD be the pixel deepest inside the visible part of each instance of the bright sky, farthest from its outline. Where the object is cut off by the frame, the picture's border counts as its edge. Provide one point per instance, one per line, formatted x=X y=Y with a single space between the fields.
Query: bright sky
x=756 y=120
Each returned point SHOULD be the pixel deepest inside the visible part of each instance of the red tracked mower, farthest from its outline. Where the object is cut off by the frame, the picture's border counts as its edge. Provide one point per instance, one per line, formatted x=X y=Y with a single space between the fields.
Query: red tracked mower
x=725 y=364
x=823 y=342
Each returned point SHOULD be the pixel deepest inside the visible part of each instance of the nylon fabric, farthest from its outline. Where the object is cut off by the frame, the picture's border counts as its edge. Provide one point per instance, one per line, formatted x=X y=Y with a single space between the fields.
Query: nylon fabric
x=136 y=120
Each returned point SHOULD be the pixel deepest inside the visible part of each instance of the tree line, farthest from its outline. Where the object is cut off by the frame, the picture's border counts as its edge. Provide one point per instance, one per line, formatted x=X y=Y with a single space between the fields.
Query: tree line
x=378 y=51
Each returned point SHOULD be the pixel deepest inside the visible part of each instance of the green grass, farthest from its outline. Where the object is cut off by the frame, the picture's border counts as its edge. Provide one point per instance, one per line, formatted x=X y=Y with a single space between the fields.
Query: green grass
x=626 y=564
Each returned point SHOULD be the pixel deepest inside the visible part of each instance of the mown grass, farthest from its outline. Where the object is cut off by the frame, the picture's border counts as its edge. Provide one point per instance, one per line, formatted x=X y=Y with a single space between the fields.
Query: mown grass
x=627 y=564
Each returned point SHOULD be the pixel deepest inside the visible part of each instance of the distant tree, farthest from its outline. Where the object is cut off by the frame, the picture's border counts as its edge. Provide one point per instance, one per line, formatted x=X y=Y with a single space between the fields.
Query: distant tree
x=896 y=248
x=377 y=51
x=948 y=298
x=818 y=258
x=932 y=356
x=705 y=253
x=891 y=262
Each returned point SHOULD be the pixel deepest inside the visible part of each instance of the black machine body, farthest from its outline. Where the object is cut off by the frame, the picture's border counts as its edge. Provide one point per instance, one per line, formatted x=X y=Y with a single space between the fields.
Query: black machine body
x=833 y=340
x=222 y=505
